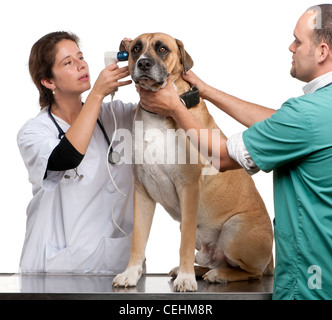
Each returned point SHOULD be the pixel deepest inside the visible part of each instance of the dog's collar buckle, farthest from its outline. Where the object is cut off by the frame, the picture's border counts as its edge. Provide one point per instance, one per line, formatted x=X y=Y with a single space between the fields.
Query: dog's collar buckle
x=190 y=98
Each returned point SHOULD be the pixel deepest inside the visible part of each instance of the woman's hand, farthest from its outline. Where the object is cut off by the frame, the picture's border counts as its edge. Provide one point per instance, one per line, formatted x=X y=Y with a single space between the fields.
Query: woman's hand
x=108 y=80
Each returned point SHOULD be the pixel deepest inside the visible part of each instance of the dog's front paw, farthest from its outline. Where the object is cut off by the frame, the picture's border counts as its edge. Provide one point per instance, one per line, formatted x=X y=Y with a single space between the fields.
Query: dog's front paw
x=129 y=278
x=185 y=282
x=213 y=276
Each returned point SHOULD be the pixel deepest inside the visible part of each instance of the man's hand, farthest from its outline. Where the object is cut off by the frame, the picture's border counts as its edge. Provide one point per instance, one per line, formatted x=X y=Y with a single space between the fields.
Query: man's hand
x=165 y=101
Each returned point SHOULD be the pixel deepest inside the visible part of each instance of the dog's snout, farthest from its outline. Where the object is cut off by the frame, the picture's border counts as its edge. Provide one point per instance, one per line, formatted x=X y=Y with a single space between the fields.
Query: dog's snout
x=145 y=64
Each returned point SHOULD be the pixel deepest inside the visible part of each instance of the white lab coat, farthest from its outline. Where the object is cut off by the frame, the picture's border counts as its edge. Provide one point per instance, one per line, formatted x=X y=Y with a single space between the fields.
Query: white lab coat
x=69 y=221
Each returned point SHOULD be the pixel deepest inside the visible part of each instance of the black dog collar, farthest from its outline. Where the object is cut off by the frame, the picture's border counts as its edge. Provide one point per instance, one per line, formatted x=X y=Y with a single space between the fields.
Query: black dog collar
x=190 y=98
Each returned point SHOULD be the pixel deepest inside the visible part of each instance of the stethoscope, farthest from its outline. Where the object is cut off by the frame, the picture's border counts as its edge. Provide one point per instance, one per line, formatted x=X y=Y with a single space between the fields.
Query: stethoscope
x=113 y=156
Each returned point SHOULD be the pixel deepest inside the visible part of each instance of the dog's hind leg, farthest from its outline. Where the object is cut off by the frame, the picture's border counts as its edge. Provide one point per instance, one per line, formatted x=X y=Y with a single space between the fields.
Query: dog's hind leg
x=224 y=275
x=199 y=271
x=247 y=249
x=144 y=208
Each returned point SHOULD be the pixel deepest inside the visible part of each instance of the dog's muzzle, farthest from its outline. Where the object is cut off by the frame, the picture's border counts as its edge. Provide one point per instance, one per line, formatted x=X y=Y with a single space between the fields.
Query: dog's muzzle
x=149 y=75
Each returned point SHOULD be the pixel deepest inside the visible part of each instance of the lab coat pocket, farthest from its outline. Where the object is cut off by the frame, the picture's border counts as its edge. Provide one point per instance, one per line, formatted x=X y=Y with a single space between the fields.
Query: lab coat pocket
x=57 y=260
x=118 y=253
x=285 y=254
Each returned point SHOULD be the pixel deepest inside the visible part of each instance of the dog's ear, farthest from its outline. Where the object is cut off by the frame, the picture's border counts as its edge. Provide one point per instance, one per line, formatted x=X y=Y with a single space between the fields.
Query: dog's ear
x=186 y=60
x=125 y=44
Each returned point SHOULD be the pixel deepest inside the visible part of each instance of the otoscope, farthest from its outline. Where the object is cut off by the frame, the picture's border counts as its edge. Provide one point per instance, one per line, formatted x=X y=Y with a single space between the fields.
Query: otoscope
x=113 y=57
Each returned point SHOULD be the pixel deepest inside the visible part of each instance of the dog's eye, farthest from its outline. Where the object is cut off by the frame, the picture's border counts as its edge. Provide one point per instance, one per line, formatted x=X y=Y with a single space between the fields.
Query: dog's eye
x=136 y=49
x=162 y=50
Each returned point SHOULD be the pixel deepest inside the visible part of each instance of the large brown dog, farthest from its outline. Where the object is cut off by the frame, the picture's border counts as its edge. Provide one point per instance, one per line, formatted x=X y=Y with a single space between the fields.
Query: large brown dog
x=223 y=214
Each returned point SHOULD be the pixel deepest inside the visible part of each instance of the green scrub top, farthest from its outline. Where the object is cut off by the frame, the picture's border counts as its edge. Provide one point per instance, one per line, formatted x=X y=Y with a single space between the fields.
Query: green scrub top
x=296 y=143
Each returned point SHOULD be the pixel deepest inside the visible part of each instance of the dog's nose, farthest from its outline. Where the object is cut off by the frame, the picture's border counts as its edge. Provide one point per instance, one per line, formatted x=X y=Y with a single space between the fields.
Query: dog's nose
x=145 y=64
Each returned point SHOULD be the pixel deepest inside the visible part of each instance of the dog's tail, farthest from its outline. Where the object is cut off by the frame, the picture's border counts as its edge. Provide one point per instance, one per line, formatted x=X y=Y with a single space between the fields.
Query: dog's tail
x=270 y=268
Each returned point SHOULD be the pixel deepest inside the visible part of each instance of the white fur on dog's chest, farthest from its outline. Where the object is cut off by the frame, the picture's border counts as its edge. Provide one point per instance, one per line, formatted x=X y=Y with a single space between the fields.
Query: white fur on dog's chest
x=152 y=156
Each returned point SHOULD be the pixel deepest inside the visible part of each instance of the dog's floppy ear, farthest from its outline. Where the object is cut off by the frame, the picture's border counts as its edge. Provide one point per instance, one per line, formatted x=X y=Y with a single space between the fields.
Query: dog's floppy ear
x=186 y=60
x=125 y=44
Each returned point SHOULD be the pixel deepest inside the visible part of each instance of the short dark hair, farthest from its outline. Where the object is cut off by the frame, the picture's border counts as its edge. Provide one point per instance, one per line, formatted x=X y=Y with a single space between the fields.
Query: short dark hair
x=323 y=27
x=41 y=62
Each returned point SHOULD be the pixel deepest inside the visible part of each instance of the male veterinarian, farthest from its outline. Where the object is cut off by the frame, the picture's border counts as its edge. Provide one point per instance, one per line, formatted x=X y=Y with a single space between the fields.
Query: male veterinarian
x=296 y=143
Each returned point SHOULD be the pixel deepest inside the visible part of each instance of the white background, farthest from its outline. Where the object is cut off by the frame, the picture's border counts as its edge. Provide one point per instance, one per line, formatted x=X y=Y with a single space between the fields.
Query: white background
x=240 y=47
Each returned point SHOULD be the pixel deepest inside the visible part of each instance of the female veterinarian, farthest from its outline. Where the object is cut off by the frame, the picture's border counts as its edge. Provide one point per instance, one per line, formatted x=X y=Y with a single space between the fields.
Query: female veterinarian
x=296 y=143
x=70 y=225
